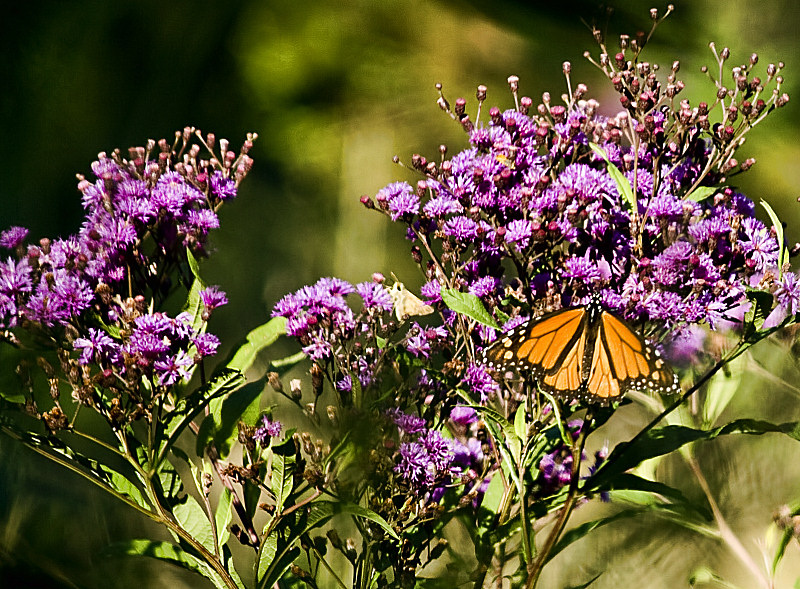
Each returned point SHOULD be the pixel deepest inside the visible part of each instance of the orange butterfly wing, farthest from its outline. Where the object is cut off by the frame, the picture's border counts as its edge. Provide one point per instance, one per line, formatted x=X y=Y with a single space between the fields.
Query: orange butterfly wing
x=582 y=352
x=552 y=348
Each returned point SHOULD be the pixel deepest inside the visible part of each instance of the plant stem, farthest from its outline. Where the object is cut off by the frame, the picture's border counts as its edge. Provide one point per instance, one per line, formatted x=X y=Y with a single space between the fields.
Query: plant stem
x=535 y=568
x=725 y=531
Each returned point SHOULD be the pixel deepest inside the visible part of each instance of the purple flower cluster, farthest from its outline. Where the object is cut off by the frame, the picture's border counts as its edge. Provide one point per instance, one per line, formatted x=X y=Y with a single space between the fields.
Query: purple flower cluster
x=531 y=194
x=131 y=207
x=427 y=459
x=158 y=345
x=269 y=428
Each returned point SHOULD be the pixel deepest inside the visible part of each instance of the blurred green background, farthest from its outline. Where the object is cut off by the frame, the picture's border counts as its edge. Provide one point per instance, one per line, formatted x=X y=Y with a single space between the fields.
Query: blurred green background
x=335 y=89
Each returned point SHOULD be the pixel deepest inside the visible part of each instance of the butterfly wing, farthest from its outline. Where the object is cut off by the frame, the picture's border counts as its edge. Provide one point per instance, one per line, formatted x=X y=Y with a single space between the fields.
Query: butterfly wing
x=406 y=303
x=623 y=361
x=552 y=348
x=582 y=352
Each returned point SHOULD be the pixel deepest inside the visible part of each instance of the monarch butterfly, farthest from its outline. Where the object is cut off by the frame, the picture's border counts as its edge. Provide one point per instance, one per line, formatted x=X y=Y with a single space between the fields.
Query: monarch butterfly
x=583 y=352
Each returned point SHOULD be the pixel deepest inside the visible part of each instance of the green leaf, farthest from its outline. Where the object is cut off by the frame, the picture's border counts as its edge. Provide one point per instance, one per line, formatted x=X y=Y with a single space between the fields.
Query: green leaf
x=261 y=337
x=194 y=267
x=126 y=487
x=337 y=507
x=701 y=193
x=163 y=551
x=509 y=439
x=520 y=424
x=277 y=553
x=283 y=463
x=223 y=515
x=194 y=519
x=759 y=310
x=168 y=553
x=783 y=253
x=721 y=390
x=661 y=441
x=468 y=304
x=194 y=305
x=13 y=397
x=587 y=583
x=624 y=187
x=224 y=413
x=189 y=407
x=493 y=495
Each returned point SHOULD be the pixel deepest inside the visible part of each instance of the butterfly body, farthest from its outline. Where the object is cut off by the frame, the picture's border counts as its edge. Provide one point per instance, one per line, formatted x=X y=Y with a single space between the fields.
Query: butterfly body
x=582 y=352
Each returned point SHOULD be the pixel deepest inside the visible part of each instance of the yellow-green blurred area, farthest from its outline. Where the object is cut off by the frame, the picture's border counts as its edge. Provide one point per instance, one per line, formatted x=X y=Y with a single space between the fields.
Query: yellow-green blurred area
x=335 y=89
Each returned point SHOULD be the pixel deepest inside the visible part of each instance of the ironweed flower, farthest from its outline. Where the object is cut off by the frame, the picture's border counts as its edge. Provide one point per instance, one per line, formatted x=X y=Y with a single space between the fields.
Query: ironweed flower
x=88 y=292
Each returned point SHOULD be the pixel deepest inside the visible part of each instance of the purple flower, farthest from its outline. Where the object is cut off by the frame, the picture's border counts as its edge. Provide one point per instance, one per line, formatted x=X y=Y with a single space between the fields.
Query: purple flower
x=375 y=296
x=788 y=293
x=442 y=206
x=440 y=449
x=222 y=187
x=760 y=246
x=173 y=194
x=409 y=424
x=477 y=379
x=485 y=286
x=201 y=222
x=415 y=466
x=13 y=237
x=15 y=277
x=268 y=429
x=212 y=297
x=519 y=234
x=97 y=346
x=206 y=344
x=461 y=228
x=463 y=415
x=173 y=368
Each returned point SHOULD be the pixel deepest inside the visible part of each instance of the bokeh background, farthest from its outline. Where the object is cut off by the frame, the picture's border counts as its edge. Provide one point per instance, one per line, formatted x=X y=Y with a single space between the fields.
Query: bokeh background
x=335 y=88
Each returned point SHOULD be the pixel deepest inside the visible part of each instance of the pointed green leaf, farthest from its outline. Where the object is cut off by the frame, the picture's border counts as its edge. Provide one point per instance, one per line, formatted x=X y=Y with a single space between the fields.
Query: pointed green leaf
x=468 y=304
x=261 y=337
x=661 y=441
x=721 y=390
x=223 y=515
x=189 y=407
x=493 y=495
x=168 y=553
x=224 y=413
x=194 y=519
x=776 y=223
x=520 y=424
x=623 y=185
x=701 y=193
x=283 y=463
x=12 y=397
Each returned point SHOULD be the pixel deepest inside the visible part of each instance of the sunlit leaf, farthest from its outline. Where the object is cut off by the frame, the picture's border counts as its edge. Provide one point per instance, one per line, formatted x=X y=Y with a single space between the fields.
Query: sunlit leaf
x=721 y=390
x=225 y=412
x=468 y=304
x=189 y=407
x=194 y=519
x=283 y=462
x=776 y=223
x=223 y=515
x=701 y=193
x=661 y=441
x=257 y=340
x=623 y=185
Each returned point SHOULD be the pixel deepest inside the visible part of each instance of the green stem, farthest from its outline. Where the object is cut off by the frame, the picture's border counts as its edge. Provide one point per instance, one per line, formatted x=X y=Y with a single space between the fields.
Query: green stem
x=165 y=518
x=526 y=528
x=725 y=531
x=535 y=568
